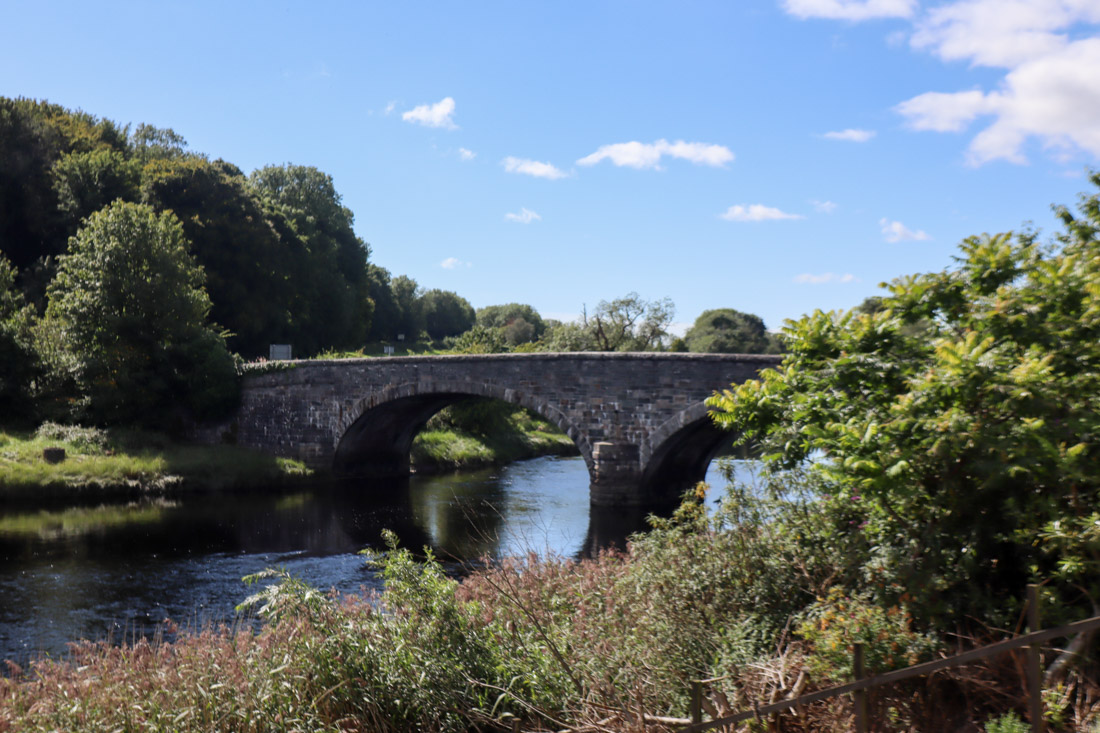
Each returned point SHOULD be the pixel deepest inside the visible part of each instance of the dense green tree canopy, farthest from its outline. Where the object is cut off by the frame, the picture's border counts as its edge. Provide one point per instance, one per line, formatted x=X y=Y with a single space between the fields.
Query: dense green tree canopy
x=128 y=297
x=517 y=323
x=18 y=361
x=957 y=421
x=338 y=294
x=728 y=331
x=446 y=313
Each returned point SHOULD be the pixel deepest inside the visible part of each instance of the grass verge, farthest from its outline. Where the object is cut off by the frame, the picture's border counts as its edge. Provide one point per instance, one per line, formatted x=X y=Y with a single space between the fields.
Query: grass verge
x=109 y=462
x=506 y=434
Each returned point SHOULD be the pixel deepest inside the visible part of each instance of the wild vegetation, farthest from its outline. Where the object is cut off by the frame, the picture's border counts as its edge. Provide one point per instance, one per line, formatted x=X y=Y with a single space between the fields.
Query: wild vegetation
x=926 y=457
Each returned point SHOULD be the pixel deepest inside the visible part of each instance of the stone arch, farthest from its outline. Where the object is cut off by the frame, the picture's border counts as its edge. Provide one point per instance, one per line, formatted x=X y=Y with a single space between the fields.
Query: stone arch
x=374 y=435
x=678 y=452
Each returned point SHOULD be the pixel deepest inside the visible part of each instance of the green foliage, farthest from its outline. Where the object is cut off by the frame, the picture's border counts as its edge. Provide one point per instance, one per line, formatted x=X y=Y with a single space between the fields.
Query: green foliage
x=85 y=182
x=833 y=624
x=128 y=298
x=957 y=422
x=446 y=313
x=479 y=340
x=518 y=323
x=728 y=331
x=333 y=305
x=629 y=323
x=1007 y=723
x=19 y=364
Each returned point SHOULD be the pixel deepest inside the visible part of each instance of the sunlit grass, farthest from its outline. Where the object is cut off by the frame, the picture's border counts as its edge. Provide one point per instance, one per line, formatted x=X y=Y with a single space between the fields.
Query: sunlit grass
x=129 y=459
x=525 y=436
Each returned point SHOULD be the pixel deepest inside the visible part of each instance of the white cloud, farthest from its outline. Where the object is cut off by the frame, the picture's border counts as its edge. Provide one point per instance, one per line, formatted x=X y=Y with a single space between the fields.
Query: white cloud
x=532 y=168
x=466 y=154
x=756 y=212
x=390 y=106
x=850 y=9
x=433 y=115
x=525 y=216
x=850 y=135
x=453 y=263
x=895 y=231
x=1001 y=33
x=823 y=207
x=1050 y=91
x=808 y=278
x=648 y=155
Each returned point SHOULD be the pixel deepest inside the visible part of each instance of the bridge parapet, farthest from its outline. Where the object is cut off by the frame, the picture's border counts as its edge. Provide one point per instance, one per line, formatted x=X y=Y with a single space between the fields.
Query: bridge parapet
x=638 y=419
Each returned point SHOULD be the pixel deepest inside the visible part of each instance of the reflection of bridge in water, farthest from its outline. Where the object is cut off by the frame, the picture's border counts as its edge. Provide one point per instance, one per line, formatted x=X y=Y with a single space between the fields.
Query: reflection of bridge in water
x=638 y=419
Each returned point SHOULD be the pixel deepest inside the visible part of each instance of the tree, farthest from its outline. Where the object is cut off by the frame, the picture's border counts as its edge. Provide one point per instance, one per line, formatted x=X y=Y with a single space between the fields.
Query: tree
x=340 y=304
x=18 y=362
x=963 y=450
x=446 y=313
x=85 y=182
x=407 y=295
x=517 y=322
x=129 y=300
x=728 y=331
x=257 y=269
x=630 y=323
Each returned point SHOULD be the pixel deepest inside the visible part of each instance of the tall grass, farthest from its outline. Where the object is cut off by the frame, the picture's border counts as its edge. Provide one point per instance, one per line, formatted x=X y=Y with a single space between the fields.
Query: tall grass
x=608 y=644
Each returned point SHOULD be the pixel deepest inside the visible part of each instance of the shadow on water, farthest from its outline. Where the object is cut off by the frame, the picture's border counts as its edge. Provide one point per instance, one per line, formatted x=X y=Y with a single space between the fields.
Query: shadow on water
x=112 y=571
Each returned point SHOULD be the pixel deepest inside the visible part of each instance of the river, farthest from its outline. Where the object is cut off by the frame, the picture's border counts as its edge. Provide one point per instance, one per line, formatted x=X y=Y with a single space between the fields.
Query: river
x=115 y=571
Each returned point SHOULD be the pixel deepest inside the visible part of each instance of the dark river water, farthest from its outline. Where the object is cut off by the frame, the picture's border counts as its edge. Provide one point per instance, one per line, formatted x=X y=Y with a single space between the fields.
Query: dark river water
x=115 y=571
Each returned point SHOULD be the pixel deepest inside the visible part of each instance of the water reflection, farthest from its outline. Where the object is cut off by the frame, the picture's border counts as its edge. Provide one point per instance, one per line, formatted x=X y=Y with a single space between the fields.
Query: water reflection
x=113 y=571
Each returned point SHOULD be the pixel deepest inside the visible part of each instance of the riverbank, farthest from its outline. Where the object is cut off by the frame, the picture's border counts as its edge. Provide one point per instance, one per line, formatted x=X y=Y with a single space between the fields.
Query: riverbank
x=127 y=464
x=456 y=440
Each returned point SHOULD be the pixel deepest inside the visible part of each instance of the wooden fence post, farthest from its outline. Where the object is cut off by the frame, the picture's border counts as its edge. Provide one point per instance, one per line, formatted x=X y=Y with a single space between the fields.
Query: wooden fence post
x=859 y=697
x=1034 y=662
x=696 y=701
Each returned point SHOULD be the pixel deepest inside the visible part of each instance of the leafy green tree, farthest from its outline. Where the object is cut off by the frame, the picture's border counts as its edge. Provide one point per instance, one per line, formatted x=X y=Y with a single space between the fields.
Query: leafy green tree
x=446 y=313
x=630 y=323
x=518 y=323
x=384 y=322
x=257 y=269
x=18 y=361
x=728 y=331
x=129 y=300
x=963 y=451
x=33 y=137
x=85 y=182
x=337 y=272
x=407 y=296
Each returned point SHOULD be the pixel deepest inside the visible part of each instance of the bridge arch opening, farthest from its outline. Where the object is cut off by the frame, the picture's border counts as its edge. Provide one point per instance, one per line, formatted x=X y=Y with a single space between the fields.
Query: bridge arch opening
x=378 y=435
x=680 y=452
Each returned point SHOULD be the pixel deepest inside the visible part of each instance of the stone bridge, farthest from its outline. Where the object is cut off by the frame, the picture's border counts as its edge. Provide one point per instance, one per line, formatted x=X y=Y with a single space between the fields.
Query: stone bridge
x=638 y=419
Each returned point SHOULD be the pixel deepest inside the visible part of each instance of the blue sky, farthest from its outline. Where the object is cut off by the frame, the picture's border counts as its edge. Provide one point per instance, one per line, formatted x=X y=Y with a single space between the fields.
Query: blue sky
x=773 y=156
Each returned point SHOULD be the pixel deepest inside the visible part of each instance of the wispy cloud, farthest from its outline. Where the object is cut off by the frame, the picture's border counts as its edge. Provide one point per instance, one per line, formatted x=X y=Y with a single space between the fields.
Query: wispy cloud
x=808 y=278
x=453 y=263
x=524 y=216
x=648 y=155
x=854 y=10
x=850 y=135
x=534 y=168
x=466 y=154
x=756 y=212
x=433 y=115
x=390 y=107
x=895 y=231
x=823 y=207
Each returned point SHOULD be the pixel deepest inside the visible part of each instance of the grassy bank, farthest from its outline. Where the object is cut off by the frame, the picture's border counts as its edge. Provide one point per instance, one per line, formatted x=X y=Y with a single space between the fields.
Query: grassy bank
x=557 y=644
x=120 y=462
x=485 y=433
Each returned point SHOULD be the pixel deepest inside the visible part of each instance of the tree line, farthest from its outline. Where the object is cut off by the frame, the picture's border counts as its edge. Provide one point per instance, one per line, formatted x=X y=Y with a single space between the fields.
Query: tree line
x=133 y=270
